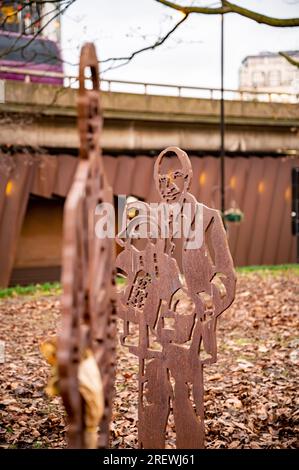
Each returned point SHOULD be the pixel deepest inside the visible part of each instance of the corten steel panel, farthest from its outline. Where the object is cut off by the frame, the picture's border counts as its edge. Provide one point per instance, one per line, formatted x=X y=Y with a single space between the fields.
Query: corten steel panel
x=293 y=249
x=206 y=181
x=209 y=185
x=238 y=194
x=230 y=169
x=13 y=214
x=40 y=274
x=285 y=240
x=124 y=175
x=6 y=168
x=199 y=170
x=197 y=166
x=44 y=175
x=3 y=183
x=249 y=240
x=40 y=238
x=65 y=173
x=278 y=208
x=153 y=193
x=230 y=198
x=293 y=244
x=249 y=208
x=265 y=197
x=110 y=164
x=264 y=236
x=141 y=182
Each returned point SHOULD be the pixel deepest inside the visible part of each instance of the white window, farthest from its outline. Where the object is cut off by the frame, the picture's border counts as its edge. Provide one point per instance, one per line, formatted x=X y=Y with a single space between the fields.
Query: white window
x=274 y=78
x=258 y=78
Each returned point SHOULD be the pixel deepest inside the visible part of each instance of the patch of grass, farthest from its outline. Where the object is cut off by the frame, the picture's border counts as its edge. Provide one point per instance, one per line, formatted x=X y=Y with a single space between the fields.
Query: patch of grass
x=33 y=289
x=37 y=445
x=54 y=288
x=242 y=341
x=270 y=269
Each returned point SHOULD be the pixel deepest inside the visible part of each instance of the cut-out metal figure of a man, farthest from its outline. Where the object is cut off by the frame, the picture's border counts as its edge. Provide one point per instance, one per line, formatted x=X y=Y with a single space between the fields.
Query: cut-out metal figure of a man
x=176 y=319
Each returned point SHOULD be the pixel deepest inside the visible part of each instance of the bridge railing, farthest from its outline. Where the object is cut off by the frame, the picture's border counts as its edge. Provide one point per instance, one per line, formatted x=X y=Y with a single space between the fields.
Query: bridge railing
x=197 y=92
x=167 y=89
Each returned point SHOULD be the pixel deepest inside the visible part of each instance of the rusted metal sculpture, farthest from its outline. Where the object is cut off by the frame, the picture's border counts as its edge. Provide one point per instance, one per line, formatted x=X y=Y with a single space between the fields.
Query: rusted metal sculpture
x=88 y=300
x=176 y=319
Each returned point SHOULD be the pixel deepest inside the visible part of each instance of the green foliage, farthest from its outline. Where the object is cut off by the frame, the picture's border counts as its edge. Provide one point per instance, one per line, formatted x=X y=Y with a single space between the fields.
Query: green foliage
x=55 y=288
x=270 y=269
x=38 y=445
x=120 y=281
x=33 y=289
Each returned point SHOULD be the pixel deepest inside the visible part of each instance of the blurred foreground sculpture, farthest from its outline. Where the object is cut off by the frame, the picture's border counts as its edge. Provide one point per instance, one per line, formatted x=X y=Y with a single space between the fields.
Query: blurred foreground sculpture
x=175 y=315
x=86 y=343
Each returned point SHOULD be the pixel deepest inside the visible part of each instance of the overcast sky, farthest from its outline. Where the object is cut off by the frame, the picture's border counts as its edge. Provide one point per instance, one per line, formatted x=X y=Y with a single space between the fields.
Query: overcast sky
x=191 y=56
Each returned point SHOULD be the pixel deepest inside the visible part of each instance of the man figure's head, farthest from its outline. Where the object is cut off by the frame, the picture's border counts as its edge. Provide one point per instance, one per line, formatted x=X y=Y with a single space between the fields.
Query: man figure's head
x=172 y=175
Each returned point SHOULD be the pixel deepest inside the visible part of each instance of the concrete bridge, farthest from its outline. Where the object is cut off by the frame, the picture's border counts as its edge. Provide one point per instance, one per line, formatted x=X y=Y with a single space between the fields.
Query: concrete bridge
x=38 y=149
x=45 y=116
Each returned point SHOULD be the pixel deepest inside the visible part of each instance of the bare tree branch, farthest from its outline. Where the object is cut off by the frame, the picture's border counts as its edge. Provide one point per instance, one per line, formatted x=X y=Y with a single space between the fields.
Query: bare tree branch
x=290 y=59
x=228 y=7
x=16 y=49
x=156 y=44
x=225 y=7
x=25 y=5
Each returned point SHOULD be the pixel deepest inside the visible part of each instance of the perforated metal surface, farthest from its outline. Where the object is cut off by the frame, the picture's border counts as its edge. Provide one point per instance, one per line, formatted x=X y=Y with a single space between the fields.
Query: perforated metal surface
x=176 y=320
x=88 y=300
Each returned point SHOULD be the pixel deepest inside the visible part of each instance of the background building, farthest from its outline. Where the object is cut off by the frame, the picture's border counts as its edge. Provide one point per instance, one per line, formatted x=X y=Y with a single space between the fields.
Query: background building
x=269 y=71
x=23 y=18
x=53 y=29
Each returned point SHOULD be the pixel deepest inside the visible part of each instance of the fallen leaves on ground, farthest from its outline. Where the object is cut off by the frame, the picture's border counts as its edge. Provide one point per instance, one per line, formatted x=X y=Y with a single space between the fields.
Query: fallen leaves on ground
x=250 y=393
